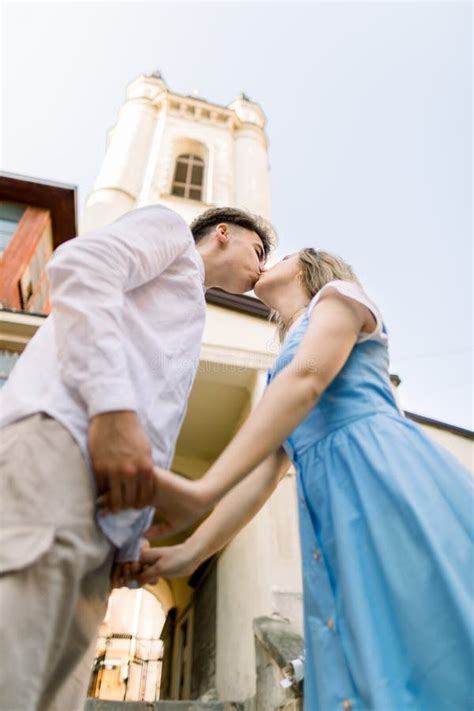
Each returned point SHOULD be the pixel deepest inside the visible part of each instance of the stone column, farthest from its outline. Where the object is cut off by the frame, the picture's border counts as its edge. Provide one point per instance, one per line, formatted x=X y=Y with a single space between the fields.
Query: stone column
x=251 y=176
x=119 y=182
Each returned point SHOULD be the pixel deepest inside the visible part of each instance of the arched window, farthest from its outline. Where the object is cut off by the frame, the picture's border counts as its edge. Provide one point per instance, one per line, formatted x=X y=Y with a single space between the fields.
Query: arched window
x=188 y=177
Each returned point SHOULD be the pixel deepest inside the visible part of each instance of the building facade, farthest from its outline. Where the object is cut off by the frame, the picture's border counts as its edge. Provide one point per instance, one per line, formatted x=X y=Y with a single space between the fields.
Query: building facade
x=35 y=217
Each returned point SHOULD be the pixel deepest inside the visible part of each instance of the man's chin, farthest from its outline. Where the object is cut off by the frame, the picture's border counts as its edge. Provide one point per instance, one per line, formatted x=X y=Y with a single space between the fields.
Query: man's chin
x=243 y=288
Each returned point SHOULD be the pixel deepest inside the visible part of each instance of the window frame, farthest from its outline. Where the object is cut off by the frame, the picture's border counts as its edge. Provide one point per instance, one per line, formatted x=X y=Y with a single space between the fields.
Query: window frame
x=187 y=187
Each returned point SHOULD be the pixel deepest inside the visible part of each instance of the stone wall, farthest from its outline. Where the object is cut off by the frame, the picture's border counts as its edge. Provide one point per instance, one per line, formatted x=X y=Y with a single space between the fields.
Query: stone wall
x=203 y=675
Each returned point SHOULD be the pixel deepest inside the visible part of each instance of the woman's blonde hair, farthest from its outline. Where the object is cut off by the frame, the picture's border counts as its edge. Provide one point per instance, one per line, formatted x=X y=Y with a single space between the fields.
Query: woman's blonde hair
x=318 y=268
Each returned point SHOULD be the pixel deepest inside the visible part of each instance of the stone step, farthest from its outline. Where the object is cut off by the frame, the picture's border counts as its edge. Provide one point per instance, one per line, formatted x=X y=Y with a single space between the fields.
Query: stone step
x=100 y=705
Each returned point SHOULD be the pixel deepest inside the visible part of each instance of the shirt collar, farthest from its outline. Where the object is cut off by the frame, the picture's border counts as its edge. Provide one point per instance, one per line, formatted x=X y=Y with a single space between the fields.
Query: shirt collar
x=202 y=270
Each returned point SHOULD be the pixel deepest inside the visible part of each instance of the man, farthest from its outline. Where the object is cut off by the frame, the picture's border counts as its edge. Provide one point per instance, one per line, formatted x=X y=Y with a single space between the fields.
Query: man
x=96 y=400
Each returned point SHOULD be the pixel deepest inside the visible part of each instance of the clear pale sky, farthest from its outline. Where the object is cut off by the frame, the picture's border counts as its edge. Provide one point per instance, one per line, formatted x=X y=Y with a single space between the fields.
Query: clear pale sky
x=370 y=129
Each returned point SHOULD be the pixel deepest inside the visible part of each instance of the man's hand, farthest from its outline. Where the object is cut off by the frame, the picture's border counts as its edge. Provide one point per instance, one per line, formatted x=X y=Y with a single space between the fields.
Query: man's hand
x=121 y=458
x=123 y=573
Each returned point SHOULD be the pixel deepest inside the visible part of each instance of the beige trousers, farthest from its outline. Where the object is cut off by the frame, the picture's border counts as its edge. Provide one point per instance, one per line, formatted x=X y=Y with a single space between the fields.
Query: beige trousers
x=54 y=568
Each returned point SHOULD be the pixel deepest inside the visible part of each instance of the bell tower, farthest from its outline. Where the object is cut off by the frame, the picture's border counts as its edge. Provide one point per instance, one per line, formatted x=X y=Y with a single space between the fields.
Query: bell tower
x=181 y=151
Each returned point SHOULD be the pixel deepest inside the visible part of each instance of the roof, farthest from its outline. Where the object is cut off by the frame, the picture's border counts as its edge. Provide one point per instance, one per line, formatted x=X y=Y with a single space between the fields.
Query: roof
x=454 y=429
x=238 y=302
x=58 y=198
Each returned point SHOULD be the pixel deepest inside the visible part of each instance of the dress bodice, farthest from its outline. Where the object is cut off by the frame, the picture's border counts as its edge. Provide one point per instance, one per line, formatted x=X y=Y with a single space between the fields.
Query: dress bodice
x=361 y=388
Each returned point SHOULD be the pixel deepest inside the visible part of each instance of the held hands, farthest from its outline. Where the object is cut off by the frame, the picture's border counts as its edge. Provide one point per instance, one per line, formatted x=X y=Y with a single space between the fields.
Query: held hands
x=123 y=573
x=121 y=458
x=178 y=501
x=170 y=562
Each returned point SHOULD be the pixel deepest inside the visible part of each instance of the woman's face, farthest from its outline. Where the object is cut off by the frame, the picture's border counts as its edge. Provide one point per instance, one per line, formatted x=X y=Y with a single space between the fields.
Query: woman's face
x=278 y=277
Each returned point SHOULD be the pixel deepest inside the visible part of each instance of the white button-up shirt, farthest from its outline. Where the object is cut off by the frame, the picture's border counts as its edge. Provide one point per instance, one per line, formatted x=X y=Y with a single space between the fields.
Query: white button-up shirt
x=124 y=334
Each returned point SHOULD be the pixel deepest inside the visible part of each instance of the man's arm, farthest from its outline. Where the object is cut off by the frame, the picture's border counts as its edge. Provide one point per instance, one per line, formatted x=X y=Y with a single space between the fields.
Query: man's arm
x=89 y=277
x=328 y=342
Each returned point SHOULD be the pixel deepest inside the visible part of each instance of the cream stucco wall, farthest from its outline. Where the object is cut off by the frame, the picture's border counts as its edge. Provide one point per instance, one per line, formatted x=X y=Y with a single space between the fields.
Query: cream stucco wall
x=460 y=447
x=259 y=573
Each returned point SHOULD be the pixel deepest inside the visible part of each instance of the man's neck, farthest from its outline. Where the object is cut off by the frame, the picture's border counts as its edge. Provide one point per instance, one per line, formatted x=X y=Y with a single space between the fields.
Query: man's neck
x=211 y=271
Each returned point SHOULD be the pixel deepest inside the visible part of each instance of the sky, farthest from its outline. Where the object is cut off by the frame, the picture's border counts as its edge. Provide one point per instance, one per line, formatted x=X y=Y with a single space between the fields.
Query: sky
x=369 y=109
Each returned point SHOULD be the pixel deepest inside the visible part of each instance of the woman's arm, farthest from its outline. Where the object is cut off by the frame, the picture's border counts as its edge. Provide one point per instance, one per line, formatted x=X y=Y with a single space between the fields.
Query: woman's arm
x=231 y=514
x=331 y=335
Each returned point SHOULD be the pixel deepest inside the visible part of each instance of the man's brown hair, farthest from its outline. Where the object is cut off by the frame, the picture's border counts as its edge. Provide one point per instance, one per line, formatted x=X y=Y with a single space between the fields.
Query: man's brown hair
x=202 y=225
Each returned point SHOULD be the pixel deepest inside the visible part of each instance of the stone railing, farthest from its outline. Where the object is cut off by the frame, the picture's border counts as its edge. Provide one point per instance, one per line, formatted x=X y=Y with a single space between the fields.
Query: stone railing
x=277 y=643
x=100 y=705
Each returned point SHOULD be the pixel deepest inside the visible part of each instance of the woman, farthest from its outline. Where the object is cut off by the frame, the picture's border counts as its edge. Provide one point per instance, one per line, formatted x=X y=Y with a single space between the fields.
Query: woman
x=385 y=514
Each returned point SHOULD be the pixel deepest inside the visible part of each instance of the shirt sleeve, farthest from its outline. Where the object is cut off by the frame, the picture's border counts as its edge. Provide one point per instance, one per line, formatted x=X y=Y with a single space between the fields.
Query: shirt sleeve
x=130 y=548
x=89 y=276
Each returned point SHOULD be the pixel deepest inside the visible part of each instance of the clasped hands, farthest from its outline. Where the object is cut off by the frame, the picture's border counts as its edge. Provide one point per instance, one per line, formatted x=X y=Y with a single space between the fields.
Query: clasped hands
x=126 y=478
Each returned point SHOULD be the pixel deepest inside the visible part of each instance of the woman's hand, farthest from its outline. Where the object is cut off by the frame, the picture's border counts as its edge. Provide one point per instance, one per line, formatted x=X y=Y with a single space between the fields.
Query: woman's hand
x=166 y=562
x=179 y=502
x=154 y=563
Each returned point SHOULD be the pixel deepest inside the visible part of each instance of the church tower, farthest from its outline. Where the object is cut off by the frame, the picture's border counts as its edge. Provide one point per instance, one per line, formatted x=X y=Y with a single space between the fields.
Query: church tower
x=183 y=152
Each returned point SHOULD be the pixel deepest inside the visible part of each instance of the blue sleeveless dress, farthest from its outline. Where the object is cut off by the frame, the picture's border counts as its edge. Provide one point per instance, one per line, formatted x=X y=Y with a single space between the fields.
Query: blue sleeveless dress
x=386 y=520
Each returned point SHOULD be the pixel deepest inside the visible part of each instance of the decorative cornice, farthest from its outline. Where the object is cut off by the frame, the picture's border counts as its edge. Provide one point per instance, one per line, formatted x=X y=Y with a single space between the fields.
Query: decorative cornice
x=235 y=358
x=17 y=328
x=154 y=91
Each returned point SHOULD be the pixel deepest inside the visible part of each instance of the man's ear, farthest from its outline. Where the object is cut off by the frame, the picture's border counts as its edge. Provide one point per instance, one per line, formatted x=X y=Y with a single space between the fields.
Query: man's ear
x=222 y=233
